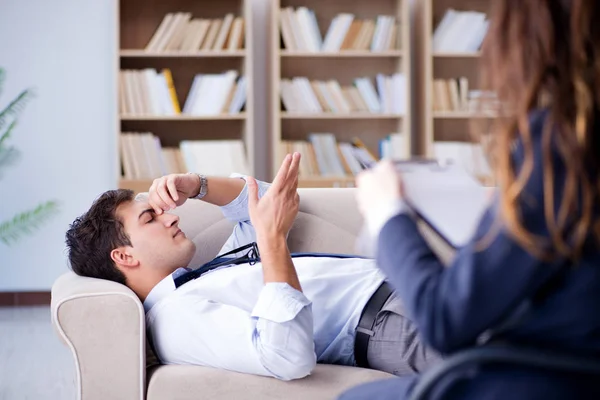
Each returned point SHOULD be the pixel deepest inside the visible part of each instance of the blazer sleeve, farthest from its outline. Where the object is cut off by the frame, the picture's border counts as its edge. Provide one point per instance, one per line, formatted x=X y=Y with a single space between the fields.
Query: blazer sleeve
x=453 y=305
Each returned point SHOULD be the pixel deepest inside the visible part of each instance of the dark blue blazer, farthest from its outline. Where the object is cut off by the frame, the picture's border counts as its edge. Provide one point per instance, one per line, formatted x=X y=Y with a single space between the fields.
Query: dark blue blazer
x=453 y=306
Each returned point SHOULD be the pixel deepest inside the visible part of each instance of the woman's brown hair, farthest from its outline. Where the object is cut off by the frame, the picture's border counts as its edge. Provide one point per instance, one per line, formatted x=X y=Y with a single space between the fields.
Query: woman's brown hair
x=547 y=50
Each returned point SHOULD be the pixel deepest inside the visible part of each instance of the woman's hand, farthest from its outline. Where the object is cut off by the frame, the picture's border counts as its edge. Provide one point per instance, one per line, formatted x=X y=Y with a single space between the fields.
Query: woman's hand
x=378 y=186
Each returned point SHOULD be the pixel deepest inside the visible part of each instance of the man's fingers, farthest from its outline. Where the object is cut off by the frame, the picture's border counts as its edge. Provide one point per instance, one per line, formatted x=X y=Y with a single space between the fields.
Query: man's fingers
x=252 y=191
x=294 y=167
x=172 y=188
x=283 y=171
x=161 y=190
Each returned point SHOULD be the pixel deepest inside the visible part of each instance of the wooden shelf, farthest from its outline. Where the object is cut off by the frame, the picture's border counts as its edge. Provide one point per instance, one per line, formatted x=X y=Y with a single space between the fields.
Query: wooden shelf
x=461 y=115
x=137 y=185
x=342 y=54
x=138 y=53
x=326 y=181
x=444 y=54
x=138 y=21
x=343 y=66
x=182 y=117
x=290 y=115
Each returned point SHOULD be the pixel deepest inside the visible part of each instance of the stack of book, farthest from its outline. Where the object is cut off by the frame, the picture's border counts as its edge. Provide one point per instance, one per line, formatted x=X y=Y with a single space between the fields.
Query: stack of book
x=180 y=32
x=147 y=92
x=143 y=157
x=451 y=95
x=213 y=94
x=301 y=95
x=323 y=155
x=469 y=156
x=460 y=31
x=300 y=32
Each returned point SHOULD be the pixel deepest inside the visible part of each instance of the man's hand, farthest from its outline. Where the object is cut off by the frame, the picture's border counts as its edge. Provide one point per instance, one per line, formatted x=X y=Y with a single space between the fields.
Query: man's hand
x=172 y=190
x=378 y=186
x=273 y=215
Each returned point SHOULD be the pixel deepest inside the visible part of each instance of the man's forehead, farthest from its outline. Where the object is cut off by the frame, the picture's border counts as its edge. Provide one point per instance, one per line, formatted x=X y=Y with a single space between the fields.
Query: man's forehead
x=132 y=209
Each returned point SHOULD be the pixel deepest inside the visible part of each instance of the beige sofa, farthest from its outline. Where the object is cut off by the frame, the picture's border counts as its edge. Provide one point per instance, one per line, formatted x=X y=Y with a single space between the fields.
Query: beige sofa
x=103 y=322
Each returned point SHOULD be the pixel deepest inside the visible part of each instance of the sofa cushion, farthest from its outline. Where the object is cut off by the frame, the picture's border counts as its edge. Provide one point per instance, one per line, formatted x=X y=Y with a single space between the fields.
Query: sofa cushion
x=184 y=382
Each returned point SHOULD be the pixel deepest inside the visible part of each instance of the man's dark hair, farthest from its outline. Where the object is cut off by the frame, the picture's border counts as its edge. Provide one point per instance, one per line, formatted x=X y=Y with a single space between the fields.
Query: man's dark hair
x=92 y=236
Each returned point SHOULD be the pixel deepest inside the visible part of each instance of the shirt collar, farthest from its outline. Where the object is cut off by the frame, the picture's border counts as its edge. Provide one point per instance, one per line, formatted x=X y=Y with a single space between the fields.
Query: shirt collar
x=162 y=289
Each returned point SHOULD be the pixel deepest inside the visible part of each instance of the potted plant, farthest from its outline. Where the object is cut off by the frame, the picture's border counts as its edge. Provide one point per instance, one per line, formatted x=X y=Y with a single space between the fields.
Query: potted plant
x=27 y=221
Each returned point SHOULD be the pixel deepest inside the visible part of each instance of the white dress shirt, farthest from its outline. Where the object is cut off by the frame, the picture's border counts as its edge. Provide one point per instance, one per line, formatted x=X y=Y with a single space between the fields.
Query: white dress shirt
x=230 y=319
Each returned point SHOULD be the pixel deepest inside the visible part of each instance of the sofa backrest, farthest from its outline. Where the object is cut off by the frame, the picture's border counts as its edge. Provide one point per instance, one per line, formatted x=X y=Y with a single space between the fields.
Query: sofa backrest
x=328 y=221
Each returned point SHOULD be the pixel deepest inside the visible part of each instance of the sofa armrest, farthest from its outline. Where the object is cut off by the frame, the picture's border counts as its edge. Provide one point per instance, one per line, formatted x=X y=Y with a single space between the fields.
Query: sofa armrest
x=102 y=322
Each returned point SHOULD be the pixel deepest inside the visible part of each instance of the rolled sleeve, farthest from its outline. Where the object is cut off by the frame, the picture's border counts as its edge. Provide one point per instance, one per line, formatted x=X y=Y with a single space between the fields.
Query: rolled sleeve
x=284 y=337
x=237 y=210
x=279 y=302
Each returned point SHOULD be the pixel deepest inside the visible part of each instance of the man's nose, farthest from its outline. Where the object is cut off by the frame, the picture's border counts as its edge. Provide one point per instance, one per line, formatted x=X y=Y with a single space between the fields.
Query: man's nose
x=170 y=219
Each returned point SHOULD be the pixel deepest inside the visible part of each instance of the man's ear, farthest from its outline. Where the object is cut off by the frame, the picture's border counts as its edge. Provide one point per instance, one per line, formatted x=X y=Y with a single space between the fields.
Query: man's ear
x=123 y=258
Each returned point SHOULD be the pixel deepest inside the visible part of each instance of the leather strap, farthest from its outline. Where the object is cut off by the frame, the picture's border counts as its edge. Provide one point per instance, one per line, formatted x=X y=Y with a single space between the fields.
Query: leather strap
x=366 y=323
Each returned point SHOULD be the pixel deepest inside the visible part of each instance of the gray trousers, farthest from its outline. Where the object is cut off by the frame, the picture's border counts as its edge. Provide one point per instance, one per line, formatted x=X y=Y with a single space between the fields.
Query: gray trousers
x=395 y=346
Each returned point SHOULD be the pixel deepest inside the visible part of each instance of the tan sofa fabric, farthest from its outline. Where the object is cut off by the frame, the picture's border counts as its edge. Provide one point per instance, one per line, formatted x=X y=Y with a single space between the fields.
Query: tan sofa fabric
x=103 y=321
x=182 y=382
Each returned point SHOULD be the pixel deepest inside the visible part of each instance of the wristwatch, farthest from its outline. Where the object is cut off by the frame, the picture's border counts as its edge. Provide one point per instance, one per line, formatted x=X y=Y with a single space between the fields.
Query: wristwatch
x=203 y=187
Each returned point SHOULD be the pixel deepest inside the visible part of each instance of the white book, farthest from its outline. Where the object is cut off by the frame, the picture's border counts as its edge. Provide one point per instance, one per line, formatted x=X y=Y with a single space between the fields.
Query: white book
x=203 y=99
x=382 y=93
x=315 y=29
x=223 y=32
x=170 y=31
x=129 y=147
x=442 y=29
x=451 y=42
x=351 y=161
x=299 y=38
x=399 y=94
x=239 y=98
x=165 y=97
x=157 y=37
x=285 y=89
x=314 y=104
x=126 y=158
x=234 y=40
x=378 y=36
x=332 y=154
x=303 y=17
x=368 y=93
x=473 y=43
x=178 y=35
x=320 y=154
x=285 y=27
x=191 y=98
x=448 y=199
x=337 y=32
x=337 y=92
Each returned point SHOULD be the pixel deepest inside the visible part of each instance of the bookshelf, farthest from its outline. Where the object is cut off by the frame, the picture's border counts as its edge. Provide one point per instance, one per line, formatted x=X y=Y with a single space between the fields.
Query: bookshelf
x=445 y=125
x=344 y=66
x=138 y=23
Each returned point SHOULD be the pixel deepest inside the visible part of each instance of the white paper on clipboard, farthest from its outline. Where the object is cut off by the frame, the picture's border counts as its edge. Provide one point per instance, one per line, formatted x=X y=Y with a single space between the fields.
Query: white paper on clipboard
x=446 y=197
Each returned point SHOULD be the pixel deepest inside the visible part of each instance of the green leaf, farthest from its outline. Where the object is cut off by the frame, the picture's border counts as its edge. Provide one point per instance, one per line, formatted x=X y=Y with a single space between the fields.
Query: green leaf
x=7 y=133
x=26 y=222
x=15 y=107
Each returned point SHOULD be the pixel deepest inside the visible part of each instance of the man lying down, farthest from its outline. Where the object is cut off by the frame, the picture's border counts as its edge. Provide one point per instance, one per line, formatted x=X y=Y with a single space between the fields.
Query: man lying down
x=277 y=315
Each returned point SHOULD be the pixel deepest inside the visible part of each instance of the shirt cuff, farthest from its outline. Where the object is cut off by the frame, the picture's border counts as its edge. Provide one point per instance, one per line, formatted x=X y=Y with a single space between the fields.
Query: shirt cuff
x=237 y=209
x=279 y=302
x=377 y=217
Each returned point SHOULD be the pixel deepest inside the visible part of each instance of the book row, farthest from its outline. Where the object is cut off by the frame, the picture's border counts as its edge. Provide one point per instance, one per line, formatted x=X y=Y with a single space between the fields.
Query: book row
x=143 y=157
x=149 y=92
x=299 y=94
x=180 y=32
x=300 y=32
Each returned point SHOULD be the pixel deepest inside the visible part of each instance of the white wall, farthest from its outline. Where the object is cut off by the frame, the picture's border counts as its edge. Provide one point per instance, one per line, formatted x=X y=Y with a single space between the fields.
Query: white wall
x=65 y=50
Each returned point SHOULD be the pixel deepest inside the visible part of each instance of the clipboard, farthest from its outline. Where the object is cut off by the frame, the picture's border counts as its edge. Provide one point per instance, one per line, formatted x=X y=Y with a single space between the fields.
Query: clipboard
x=445 y=198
